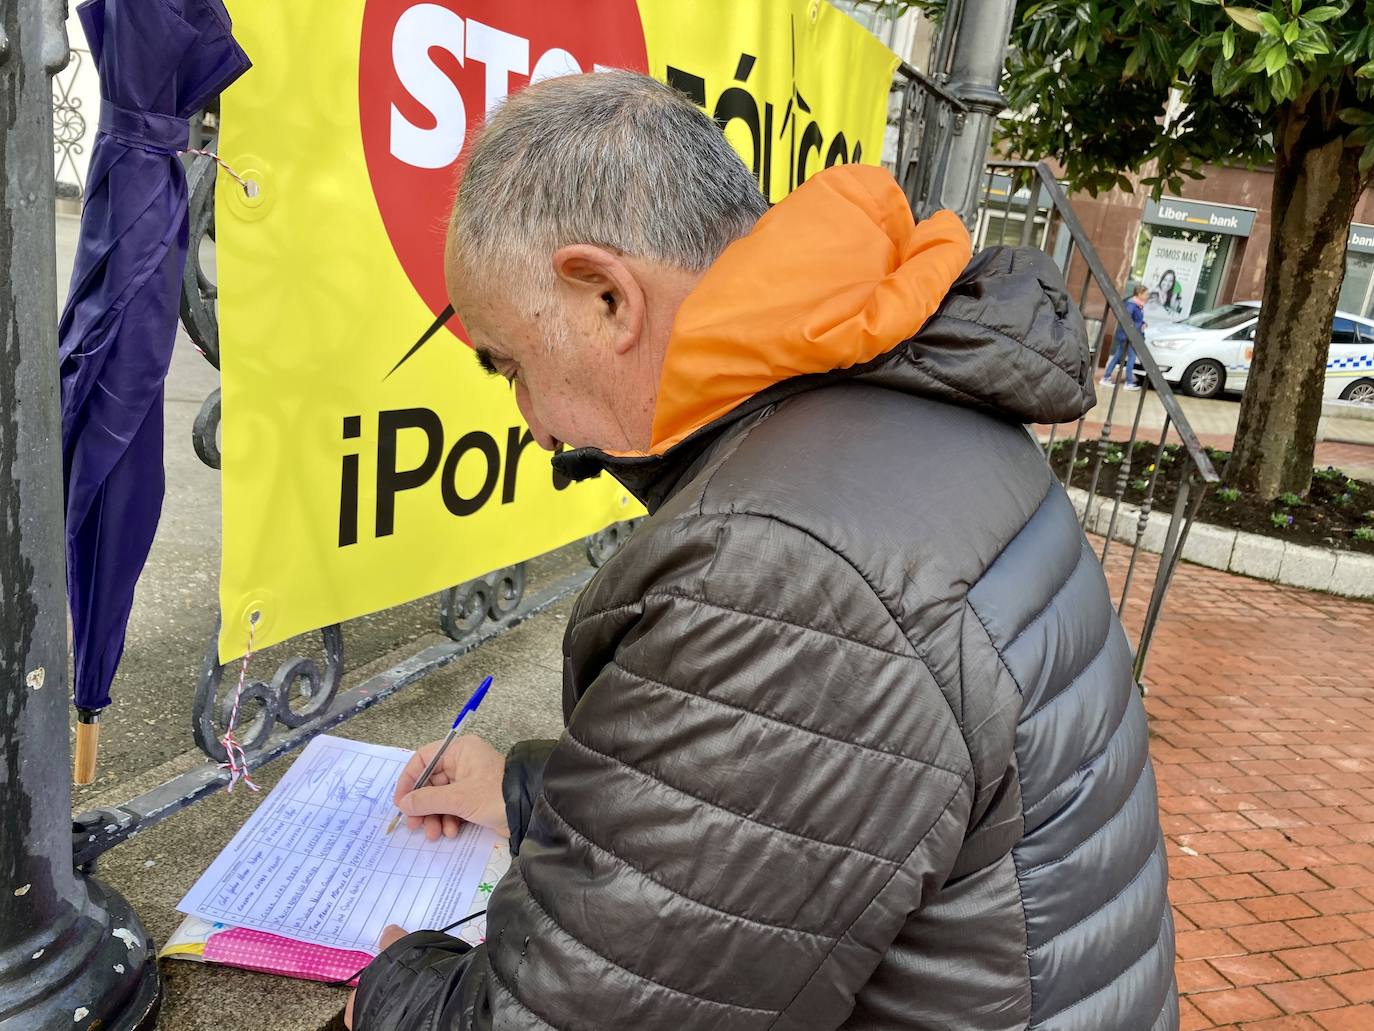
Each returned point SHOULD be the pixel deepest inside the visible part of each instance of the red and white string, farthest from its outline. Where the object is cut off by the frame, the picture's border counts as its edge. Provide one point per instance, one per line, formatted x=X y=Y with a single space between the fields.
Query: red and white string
x=222 y=164
x=237 y=763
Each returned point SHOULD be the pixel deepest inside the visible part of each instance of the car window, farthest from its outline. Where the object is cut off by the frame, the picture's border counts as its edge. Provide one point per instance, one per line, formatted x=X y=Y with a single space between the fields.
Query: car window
x=1225 y=317
x=1343 y=332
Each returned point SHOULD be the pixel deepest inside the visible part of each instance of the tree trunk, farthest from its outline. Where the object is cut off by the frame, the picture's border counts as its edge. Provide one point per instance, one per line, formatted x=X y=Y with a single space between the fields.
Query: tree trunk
x=1317 y=184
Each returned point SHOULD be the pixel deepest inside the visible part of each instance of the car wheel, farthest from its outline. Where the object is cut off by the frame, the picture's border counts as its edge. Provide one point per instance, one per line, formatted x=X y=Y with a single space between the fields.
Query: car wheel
x=1204 y=378
x=1362 y=390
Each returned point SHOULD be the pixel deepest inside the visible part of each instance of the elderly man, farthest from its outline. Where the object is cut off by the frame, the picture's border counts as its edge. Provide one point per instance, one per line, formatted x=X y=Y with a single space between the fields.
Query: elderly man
x=851 y=735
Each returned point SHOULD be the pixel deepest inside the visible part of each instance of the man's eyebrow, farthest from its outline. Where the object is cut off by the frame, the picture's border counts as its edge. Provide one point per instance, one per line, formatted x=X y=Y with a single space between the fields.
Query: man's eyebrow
x=484 y=359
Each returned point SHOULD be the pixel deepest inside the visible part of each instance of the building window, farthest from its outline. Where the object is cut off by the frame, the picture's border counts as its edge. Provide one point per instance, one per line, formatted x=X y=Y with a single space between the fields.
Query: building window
x=1357 y=292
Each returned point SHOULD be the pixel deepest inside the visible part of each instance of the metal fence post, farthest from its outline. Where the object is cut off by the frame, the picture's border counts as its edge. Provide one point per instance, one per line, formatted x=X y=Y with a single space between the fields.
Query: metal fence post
x=72 y=952
x=976 y=52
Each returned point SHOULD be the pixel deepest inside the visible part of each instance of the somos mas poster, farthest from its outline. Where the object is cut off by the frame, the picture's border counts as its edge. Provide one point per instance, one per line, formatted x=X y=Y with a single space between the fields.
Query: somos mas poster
x=1172 y=271
x=347 y=490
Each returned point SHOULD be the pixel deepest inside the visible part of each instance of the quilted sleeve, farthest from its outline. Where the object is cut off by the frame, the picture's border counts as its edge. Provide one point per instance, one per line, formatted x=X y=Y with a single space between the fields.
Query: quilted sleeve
x=756 y=788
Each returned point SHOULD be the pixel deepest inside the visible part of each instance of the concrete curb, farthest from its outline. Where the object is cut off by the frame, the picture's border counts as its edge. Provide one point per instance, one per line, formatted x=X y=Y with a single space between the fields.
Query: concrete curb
x=1234 y=551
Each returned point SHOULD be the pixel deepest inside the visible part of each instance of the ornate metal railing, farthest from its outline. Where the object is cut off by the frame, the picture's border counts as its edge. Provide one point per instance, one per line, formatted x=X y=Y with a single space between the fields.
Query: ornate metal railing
x=929 y=116
x=71 y=127
x=305 y=694
x=1099 y=464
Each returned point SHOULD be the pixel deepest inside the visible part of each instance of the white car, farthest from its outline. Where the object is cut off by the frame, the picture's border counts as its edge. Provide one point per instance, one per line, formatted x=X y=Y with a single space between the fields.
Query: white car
x=1210 y=352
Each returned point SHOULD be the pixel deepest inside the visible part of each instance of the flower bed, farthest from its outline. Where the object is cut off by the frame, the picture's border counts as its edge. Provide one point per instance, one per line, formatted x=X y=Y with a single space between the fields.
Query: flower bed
x=1337 y=513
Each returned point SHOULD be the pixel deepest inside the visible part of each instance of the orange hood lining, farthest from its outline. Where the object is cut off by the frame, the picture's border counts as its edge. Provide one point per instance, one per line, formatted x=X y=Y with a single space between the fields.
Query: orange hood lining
x=835 y=275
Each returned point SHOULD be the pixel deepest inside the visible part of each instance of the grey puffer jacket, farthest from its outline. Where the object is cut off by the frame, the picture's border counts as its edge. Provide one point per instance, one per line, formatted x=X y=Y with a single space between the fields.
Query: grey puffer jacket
x=852 y=739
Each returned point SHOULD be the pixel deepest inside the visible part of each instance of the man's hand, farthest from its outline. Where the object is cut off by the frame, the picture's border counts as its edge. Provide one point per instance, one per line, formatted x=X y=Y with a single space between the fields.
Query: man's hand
x=390 y=934
x=466 y=785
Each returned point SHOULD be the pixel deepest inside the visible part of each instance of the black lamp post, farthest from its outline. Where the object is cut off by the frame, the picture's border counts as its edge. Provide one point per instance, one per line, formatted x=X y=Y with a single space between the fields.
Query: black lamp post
x=72 y=952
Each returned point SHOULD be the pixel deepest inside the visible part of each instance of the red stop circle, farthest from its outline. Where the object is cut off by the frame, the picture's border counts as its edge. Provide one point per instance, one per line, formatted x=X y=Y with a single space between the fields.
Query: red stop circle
x=427 y=74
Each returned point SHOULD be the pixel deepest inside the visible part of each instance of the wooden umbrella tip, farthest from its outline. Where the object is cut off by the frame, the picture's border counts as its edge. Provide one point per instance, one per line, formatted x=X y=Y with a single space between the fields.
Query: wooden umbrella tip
x=87 y=744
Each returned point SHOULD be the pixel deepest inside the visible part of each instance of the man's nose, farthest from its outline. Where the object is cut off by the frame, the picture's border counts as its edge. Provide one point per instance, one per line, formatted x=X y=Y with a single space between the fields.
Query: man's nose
x=542 y=437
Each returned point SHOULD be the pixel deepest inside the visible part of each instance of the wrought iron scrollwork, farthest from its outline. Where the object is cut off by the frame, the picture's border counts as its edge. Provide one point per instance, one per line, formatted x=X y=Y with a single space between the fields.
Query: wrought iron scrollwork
x=605 y=543
x=69 y=128
x=199 y=294
x=299 y=691
x=205 y=431
x=463 y=609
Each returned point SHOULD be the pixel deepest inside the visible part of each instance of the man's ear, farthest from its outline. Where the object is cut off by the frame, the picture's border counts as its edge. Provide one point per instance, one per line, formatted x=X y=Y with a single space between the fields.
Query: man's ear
x=601 y=279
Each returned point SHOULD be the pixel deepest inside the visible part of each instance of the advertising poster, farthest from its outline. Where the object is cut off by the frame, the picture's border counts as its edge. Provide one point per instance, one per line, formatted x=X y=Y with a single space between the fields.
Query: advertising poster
x=349 y=488
x=1172 y=271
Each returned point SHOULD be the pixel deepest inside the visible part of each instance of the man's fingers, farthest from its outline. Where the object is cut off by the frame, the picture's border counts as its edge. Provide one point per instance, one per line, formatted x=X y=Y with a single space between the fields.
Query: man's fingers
x=413 y=768
x=390 y=935
x=434 y=800
x=451 y=826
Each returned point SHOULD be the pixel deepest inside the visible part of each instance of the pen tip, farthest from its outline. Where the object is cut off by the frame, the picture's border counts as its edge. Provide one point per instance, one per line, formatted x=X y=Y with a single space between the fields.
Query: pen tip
x=392 y=825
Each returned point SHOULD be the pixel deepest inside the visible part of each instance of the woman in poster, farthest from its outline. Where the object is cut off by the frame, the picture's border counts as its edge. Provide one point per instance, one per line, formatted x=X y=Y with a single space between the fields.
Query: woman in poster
x=1169 y=295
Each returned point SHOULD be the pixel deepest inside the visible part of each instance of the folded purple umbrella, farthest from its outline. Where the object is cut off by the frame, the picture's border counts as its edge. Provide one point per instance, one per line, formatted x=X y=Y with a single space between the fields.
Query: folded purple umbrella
x=160 y=61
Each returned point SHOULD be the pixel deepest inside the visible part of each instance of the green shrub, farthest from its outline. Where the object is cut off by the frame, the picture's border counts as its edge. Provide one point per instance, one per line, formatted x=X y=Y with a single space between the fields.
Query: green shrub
x=1281 y=519
x=1289 y=500
x=1228 y=494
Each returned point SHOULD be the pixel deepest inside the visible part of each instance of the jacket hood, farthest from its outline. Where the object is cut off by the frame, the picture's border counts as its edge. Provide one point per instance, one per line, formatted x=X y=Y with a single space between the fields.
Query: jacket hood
x=832 y=277
x=839 y=282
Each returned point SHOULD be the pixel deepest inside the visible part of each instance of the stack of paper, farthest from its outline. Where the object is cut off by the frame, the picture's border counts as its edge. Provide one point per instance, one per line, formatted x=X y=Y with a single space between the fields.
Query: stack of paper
x=309 y=882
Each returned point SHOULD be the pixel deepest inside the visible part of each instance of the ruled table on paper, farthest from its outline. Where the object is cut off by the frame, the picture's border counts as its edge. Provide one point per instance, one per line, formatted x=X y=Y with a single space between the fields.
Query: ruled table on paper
x=314 y=863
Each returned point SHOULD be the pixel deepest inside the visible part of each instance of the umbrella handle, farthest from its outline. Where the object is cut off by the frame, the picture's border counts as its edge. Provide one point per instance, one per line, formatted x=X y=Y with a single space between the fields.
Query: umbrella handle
x=87 y=744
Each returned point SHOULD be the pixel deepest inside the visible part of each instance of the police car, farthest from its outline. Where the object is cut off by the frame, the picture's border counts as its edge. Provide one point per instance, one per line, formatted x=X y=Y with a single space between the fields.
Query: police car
x=1209 y=352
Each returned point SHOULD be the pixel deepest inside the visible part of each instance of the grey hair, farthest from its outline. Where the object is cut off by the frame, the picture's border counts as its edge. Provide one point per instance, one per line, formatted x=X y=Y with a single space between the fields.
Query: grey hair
x=612 y=158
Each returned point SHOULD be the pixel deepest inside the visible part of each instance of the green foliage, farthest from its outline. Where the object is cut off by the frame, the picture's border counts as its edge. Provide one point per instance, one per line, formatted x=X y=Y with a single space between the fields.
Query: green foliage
x=1281 y=519
x=1107 y=85
x=1289 y=500
x=1328 y=474
x=1140 y=485
x=1364 y=533
x=1228 y=494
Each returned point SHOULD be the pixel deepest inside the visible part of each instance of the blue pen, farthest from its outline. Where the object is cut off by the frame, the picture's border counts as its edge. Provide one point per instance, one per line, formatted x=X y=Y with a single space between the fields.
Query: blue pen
x=471 y=706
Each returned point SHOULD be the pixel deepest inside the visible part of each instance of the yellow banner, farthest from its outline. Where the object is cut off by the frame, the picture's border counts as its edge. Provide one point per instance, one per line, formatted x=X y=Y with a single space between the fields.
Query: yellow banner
x=349 y=487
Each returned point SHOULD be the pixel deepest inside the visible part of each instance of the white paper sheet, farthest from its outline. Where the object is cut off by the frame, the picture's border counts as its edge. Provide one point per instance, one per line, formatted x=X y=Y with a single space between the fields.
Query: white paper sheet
x=314 y=863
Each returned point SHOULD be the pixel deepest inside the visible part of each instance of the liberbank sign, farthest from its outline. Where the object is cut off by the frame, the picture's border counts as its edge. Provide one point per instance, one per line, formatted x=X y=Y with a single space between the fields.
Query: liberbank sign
x=1362 y=238
x=1191 y=214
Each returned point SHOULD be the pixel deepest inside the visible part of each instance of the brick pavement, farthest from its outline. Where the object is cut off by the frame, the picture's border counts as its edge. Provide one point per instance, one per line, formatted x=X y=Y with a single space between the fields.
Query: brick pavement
x=1262 y=732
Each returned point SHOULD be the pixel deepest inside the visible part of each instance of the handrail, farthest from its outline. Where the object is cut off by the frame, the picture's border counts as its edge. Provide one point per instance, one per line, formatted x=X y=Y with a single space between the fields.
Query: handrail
x=914 y=74
x=1045 y=180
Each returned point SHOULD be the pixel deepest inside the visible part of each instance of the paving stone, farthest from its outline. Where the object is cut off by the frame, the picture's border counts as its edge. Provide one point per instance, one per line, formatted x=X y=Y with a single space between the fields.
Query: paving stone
x=1257 y=556
x=1209 y=546
x=1307 y=567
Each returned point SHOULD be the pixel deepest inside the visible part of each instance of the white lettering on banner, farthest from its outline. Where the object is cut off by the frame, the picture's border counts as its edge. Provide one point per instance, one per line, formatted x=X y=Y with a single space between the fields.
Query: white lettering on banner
x=557 y=62
x=421 y=28
x=1358 y=239
x=429 y=26
x=1178 y=215
x=502 y=53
